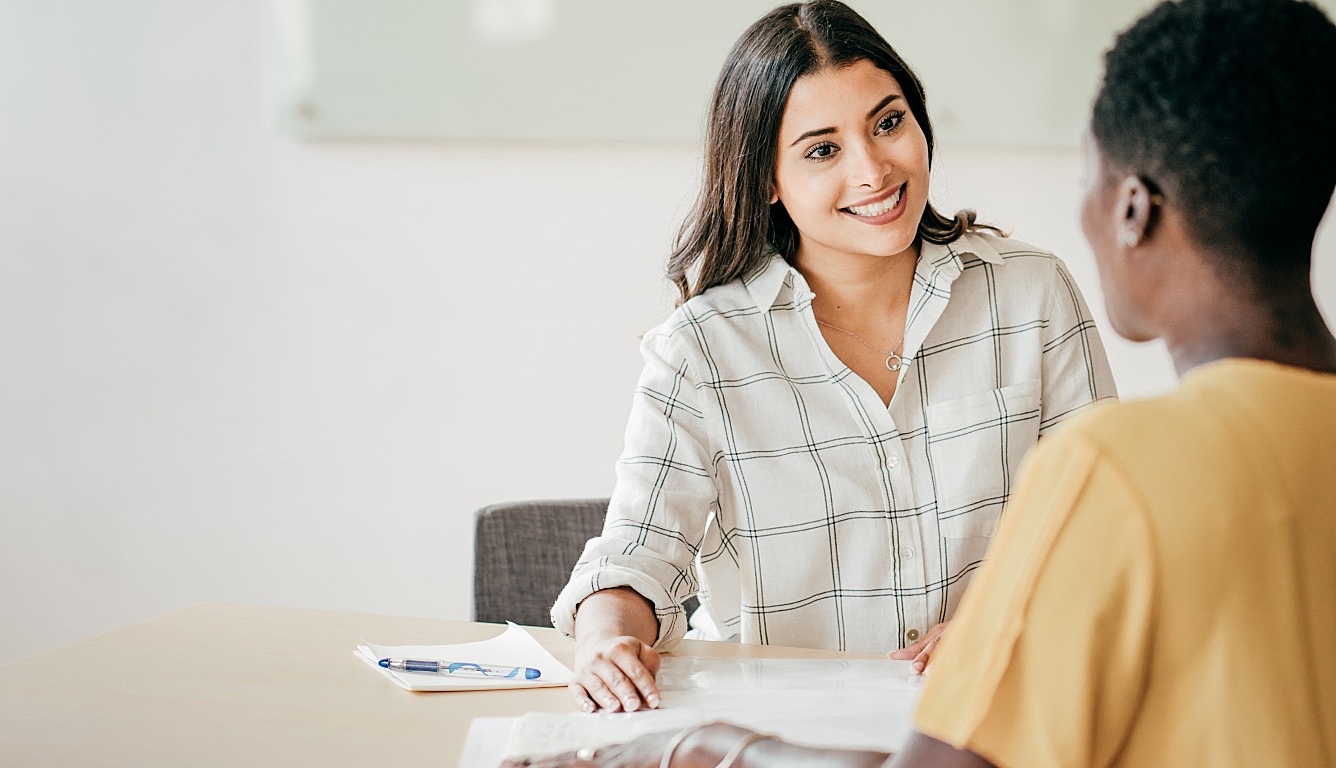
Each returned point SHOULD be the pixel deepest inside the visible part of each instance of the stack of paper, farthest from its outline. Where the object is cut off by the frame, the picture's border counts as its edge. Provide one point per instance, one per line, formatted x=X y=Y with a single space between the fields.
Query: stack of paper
x=513 y=648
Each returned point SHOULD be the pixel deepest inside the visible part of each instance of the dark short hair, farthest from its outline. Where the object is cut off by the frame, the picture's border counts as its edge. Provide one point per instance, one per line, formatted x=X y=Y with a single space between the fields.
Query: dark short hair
x=733 y=227
x=1228 y=108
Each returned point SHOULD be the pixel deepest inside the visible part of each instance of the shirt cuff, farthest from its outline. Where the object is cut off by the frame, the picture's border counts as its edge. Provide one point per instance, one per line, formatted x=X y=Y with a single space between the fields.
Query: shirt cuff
x=672 y=619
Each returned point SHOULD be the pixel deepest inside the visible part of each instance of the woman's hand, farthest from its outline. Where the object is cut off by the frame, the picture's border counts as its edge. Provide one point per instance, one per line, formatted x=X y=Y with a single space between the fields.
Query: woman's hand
x=921 y=651
x=615 y=672
x=615 y=664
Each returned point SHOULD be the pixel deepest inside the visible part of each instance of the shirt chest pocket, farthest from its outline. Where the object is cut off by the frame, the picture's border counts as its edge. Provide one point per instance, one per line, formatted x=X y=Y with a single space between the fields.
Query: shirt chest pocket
x=975 y=445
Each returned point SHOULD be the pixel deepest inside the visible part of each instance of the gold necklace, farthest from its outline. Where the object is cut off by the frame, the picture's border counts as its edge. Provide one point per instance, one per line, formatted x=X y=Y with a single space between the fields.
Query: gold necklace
x=893 y=361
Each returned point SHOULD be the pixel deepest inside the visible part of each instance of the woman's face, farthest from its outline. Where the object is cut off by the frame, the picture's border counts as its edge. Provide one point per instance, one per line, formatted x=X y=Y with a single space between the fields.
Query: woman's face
x=852 y=164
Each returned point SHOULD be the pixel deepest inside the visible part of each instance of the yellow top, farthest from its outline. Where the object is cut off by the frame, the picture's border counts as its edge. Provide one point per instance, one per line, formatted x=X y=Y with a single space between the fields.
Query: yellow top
x=1162 y=591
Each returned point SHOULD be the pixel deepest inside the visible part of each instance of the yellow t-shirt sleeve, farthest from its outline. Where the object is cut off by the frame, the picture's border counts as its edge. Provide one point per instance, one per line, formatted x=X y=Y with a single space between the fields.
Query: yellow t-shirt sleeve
x=1045 y=662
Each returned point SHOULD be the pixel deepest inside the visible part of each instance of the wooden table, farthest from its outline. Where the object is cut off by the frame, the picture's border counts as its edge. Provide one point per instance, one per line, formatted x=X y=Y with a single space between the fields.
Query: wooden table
x=233 y=685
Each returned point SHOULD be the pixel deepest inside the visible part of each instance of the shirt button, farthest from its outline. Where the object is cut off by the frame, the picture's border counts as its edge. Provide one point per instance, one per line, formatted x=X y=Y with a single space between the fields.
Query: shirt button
x=912 y=635
x=892 y=462
x=906 y=554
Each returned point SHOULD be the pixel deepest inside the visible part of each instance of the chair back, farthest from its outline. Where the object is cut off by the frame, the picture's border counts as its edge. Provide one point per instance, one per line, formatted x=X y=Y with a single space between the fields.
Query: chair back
x=523 y=554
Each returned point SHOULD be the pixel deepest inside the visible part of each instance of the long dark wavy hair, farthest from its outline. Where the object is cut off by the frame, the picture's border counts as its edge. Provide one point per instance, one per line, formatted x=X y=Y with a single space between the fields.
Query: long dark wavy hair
x=733 y=226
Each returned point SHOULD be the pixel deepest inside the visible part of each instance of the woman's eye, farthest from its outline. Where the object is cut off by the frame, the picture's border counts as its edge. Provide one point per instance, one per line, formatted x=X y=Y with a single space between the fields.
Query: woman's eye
x=820 y=152
x=890 y=122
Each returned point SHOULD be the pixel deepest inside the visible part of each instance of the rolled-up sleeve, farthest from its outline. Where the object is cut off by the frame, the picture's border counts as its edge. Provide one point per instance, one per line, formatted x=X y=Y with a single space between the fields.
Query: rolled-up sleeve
x=663 y=500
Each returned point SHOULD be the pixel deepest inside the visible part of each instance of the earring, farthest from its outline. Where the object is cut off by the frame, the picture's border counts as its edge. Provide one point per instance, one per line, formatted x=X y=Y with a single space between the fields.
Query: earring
x=1128 y=237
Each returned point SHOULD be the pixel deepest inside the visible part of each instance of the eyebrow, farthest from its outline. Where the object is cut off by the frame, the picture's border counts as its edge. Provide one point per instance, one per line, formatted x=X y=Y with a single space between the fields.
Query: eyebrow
x=871 y=114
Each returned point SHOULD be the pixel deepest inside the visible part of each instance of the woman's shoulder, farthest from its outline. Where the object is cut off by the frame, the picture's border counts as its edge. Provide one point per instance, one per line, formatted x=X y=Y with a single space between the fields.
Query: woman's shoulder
x=1020 y=267
x=1027 y=276
x=750 y=295
x=688 y=324
x=999 y=249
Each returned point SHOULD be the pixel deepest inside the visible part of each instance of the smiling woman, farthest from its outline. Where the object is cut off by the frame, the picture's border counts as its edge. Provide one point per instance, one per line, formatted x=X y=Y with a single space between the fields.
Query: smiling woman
x=827 y=428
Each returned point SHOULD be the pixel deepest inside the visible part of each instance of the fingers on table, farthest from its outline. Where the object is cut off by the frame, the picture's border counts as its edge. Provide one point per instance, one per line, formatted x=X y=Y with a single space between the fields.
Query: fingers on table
x=913 y=649
x=583 y=701
x=620 y=679
x=924 y=656
x=921 y=650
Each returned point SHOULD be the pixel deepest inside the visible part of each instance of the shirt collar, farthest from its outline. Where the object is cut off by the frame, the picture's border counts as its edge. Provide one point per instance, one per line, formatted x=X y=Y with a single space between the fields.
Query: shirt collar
x=766 y=282
x=980 y=246
x=939 y=262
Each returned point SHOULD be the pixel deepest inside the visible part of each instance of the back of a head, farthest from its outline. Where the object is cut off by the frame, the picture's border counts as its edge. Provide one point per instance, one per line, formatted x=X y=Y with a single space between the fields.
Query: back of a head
x=1228 y=107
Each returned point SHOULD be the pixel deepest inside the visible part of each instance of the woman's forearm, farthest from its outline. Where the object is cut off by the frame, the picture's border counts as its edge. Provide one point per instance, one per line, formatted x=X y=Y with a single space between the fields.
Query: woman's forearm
x=616 y=612
x=615 y=661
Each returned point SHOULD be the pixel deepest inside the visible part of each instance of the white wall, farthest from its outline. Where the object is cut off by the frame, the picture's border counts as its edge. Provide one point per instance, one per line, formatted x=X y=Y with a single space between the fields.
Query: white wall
x=237 y=367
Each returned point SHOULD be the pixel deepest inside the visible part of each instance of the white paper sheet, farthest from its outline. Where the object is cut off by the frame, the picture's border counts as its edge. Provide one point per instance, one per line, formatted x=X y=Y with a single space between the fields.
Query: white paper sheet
x=854 y=704
x=485 y=745
x=544 y=733
x=514 y=647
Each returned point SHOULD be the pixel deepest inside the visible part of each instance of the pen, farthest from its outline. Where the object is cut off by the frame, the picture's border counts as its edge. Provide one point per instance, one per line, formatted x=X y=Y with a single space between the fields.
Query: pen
x=463 y=668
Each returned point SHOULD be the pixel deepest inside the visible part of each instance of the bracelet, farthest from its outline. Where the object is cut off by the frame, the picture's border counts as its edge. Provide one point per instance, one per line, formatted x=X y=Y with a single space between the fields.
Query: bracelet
x=735 y=751
x=678 y=738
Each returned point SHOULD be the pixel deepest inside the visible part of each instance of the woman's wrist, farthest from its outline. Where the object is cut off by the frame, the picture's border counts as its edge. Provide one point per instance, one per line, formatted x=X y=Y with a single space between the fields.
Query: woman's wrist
x=615 y=612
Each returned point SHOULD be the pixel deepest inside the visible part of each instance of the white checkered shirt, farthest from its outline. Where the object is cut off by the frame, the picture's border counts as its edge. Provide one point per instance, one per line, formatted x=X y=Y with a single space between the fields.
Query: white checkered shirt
x=816 y=515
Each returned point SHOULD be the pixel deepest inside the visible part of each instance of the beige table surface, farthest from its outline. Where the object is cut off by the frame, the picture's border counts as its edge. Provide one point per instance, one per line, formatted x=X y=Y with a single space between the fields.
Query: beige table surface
x=236 y=685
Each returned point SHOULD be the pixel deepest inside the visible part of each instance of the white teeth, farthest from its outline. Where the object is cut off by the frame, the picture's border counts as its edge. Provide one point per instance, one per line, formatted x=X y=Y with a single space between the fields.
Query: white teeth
x=876 y=209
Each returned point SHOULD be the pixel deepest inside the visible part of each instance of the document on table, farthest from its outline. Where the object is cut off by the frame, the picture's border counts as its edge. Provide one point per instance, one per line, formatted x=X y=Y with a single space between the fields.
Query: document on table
x=851 y=704
x=514 y=647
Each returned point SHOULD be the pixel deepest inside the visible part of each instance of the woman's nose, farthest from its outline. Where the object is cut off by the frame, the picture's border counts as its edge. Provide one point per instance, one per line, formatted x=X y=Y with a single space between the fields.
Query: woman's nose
x=866 y=166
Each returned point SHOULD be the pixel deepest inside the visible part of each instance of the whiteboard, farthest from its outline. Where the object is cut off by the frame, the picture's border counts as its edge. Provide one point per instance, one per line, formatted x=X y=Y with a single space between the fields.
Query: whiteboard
x=998 y=73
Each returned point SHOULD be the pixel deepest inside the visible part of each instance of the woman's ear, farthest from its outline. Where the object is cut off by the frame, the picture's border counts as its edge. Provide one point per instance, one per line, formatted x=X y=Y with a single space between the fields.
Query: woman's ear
x=1136 y=204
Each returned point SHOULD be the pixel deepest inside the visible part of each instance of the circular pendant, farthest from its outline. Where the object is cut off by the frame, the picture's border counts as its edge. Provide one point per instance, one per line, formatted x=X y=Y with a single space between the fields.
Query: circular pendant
x=894 y=366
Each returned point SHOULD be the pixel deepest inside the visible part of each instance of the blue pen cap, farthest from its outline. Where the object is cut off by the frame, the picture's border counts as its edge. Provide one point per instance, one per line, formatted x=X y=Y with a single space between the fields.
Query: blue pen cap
x=531 y=674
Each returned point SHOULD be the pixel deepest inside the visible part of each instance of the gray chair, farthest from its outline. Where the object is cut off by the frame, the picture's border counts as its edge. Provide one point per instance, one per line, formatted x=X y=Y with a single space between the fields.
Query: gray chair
x=523 y=553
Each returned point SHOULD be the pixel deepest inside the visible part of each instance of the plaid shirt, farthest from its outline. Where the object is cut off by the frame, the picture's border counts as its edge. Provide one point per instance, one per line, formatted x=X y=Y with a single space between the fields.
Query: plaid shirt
x=815 y=515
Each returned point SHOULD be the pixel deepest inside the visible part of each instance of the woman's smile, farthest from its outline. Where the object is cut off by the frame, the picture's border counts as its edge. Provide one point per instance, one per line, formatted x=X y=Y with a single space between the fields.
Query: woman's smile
x=879 y=210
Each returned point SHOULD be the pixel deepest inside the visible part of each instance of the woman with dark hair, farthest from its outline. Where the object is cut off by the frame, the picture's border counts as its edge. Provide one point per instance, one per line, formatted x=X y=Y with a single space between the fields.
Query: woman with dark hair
x=828 y=426
x=1162 y=591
